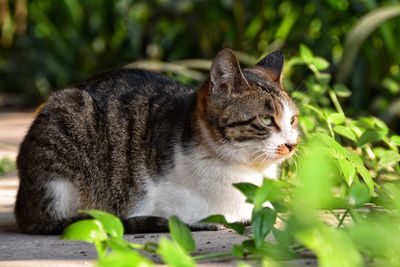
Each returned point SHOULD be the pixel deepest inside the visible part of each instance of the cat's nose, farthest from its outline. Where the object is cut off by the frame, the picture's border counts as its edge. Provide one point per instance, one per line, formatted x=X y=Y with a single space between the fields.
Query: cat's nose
x=285 y=149
x=291 y=147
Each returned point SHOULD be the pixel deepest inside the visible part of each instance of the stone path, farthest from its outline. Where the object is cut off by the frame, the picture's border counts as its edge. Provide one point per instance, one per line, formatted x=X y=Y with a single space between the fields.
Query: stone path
x=18 y=249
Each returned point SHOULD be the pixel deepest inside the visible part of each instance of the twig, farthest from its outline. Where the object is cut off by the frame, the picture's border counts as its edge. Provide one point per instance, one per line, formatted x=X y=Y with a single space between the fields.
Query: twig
x=343 y=217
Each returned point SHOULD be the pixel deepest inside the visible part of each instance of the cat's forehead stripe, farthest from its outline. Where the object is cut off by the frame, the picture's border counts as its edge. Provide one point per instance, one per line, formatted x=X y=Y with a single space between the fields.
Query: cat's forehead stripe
x=274 y=105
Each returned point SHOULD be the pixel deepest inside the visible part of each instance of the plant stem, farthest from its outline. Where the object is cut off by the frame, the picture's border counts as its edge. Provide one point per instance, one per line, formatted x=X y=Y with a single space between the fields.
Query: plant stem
x=298 y=247
x=335 y=215
x=136 y=246
x=342 y=218
x=369 y=151
x=330 y=129
x=100 y=248
x=280 y=217
x=335 y=101
x=212 y=255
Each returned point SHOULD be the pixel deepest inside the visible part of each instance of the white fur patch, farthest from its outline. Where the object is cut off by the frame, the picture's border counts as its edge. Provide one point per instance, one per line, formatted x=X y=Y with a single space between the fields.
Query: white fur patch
x=289 y=133
x=199 y=186
x=65 y=198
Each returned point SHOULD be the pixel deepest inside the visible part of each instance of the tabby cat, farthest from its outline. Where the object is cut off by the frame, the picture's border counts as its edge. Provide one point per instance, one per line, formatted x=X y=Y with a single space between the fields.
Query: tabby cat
x=145 y=147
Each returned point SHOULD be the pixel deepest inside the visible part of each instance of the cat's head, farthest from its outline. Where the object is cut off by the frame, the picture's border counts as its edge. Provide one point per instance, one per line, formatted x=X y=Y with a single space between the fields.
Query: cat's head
x=245 y=116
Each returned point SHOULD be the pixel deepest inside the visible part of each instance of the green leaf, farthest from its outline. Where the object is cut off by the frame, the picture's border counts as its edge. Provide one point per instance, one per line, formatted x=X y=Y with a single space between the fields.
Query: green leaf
x=332 y=246
x=391 y=85
x=370 y=136
x=316 y=110
x=112 y=224
x=129 y=258
x=366 y=122
x=86 y=230
x=295 y=61
x=237 y=251
x=306 y=54
x=307 y=122
x=389 y=158
x=150 y=247
x=267 y=262
x=378 y=237
x=357 y=162
x=274 y=251
x=181 y=234
x=381 y=125
x=220 y=219
x=366 y=176
x=336 y=118
x=341 y=90
x=286 y=25
x=267 y=250
x=119 y=244
x=262 y=223
x=373 y=123
x=243 y=264
x=348 y=170
x=344 y=131
x=359 y=33
x=353 y=157
x=270 y=190
x=358 y=195
x=323 y=78
x=247 y=189
x=339 y=150
x=395 y=139
x=320 y=63
x=283 y=237
x=173 y=255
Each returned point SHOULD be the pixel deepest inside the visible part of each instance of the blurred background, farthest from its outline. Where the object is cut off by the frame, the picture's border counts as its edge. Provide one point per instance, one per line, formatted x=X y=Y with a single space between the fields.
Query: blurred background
x=46 y=45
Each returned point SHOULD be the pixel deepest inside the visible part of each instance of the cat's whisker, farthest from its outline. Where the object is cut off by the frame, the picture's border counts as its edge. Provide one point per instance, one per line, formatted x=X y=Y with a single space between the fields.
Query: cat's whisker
x=265 y=159
x=254 y=160
x=253 y=153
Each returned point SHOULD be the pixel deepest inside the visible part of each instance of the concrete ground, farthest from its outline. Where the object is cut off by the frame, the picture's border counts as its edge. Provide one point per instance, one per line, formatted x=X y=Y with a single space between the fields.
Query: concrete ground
x=17 y=249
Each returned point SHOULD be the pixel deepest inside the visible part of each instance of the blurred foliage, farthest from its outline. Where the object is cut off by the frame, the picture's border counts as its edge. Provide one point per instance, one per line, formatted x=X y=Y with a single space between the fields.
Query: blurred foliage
x=7 y=165
x=45 y=44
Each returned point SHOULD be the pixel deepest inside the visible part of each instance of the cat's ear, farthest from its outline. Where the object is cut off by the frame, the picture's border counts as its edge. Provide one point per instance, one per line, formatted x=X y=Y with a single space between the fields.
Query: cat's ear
x=273 y=64
x=225 y=73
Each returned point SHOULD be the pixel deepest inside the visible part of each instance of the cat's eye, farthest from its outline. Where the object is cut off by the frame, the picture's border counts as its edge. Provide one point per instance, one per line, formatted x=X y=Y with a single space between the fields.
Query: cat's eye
x=267 y=120
x=293 y=119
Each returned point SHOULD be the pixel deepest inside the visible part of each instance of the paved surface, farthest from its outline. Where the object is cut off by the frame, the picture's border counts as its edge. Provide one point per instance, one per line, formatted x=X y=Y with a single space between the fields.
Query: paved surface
x=18 y=249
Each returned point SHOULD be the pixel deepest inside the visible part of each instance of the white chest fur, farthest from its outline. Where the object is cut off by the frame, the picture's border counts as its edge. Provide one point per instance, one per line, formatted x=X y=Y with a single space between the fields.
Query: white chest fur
x=198 y=187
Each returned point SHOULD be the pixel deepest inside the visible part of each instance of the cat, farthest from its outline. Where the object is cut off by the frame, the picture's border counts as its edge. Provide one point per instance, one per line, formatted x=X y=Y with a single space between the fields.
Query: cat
x=145 y=147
